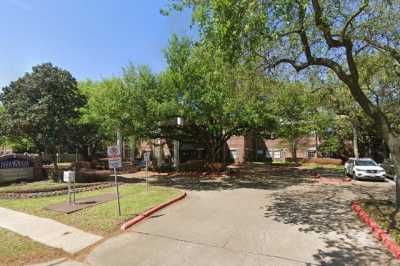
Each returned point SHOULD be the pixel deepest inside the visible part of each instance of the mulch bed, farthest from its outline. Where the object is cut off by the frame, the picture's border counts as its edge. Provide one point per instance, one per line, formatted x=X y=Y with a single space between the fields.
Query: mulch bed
x=48 y=192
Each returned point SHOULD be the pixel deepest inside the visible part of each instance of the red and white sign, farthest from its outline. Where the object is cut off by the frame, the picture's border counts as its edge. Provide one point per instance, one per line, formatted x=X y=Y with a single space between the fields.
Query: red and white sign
x=114 y=157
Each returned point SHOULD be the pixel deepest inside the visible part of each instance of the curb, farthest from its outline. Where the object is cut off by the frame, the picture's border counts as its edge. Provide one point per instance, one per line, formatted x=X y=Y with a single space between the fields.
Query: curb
x=376 y=230
x=149 y=212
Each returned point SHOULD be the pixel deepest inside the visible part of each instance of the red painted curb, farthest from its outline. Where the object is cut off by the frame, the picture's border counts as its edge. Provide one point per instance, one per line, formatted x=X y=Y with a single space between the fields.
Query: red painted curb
x=149 y=212
x=377 y=231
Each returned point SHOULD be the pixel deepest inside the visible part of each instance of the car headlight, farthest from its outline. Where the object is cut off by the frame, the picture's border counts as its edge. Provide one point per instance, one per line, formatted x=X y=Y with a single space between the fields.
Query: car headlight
x=360 y=170
x=381 y=171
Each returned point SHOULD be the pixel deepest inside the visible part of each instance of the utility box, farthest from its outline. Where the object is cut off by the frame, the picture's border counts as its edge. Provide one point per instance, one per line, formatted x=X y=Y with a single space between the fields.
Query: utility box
x=69 y=176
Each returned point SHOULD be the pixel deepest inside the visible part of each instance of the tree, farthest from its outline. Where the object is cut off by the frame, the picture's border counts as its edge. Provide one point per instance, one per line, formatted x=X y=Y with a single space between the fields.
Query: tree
x=128 y=105
x=215 y=99
x=295 y=112
x=330 y=35
x=41 y=106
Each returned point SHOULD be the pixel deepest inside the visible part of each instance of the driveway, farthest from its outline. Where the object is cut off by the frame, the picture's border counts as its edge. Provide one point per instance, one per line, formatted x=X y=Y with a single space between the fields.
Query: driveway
x=272 y=218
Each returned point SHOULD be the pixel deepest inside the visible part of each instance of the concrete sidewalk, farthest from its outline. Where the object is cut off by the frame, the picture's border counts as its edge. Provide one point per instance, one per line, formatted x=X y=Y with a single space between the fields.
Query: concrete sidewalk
x=46 y=231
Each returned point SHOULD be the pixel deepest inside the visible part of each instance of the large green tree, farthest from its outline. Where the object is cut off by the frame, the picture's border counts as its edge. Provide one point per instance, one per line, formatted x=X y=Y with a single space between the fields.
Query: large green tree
x=327 y=35
x=215 y=98
x=130 y=105
x=41 y=106
x=296 y=112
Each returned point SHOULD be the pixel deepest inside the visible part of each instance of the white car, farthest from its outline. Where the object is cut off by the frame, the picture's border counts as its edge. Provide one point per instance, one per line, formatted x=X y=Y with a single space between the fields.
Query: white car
x=364 y=168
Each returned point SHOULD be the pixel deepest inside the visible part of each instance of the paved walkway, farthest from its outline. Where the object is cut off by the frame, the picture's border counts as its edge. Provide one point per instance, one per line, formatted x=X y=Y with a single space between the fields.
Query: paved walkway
x=46 y=231
x=277 y=222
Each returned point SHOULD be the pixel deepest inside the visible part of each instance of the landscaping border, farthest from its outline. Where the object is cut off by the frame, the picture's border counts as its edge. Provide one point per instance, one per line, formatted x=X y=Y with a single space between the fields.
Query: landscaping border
x=150 y=211
x=377 y=231
x=49 y=192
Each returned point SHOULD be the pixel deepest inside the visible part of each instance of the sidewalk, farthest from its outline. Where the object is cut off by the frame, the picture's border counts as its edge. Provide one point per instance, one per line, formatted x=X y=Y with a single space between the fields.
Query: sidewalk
x=46 y=231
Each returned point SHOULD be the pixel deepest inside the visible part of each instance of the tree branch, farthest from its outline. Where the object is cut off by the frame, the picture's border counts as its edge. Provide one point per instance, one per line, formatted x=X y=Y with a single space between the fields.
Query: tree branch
x=393 y=52
x=324 y=27
x=350 y=20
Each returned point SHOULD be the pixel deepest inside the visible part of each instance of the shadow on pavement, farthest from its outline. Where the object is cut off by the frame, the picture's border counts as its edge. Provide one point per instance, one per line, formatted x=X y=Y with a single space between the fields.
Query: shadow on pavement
x=250 y=176
x=326 y=210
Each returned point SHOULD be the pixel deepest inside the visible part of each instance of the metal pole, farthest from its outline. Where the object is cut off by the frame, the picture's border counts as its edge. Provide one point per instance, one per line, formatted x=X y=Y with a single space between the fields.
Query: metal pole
x=69 y=193
x=147 y=176
x=73 y=193
x=117 y=191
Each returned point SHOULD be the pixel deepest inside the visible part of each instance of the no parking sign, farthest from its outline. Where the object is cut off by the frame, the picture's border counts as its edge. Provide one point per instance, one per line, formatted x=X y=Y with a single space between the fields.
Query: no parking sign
x=114 y=157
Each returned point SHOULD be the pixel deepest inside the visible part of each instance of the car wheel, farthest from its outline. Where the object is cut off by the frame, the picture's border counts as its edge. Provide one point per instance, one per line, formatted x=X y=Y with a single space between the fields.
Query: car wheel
x=354 y=176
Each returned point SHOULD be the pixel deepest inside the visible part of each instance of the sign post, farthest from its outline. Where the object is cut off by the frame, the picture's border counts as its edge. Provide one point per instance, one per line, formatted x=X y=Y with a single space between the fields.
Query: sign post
x=146 y=157
x=69 y=177
x=114 y=162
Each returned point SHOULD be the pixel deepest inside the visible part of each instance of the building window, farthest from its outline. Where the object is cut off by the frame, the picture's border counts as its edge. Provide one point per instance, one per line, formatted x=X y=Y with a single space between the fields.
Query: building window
x=311 y=153
x=234 y=153
x=277 y=154
x=268 y=154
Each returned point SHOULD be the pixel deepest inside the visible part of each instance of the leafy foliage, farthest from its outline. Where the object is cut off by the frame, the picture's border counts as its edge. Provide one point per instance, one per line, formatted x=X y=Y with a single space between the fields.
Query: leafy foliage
x=41 y=106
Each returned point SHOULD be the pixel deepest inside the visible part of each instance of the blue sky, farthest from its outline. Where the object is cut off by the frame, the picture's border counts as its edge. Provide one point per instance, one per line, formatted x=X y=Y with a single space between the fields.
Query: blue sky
x=90 y=38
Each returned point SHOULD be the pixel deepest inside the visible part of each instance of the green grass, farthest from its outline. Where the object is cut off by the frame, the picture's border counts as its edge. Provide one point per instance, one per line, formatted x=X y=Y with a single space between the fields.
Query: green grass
x=19 y=250
x=384 y=213
x=100 y=219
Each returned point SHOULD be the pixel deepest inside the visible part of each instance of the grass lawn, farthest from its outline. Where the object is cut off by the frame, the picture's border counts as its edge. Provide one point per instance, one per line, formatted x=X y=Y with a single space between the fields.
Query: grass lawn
x=384 y=213
x=100 y=219
x=19 y=250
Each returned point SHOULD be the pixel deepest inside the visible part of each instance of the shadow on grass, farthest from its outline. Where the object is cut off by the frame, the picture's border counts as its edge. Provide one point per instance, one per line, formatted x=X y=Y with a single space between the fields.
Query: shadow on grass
x=326 y=210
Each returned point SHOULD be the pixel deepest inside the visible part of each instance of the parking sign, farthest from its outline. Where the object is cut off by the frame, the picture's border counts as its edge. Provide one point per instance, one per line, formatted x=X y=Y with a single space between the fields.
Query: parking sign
x=114 y=157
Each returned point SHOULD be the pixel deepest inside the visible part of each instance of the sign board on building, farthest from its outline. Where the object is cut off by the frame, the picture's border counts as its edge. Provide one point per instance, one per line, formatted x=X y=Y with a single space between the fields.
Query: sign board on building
x=114 y=157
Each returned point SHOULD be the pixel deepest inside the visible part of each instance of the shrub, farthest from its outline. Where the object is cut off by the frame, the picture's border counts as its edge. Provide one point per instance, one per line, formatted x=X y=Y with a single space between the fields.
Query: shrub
x=92 y=175
x=217 y=167
x=325 y=161
x=193 y=165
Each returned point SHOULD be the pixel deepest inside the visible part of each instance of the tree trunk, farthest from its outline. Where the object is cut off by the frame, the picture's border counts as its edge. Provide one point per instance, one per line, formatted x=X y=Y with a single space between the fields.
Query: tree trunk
x=132 y=143
x=176 y=154
x=54 y=173
x=393 y=142
x=119 y=141
x=355 y=141
x=294 y=151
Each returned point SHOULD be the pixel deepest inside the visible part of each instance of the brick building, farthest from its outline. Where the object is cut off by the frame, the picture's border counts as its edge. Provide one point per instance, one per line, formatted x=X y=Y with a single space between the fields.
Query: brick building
x=238 y=149
x=247 y=148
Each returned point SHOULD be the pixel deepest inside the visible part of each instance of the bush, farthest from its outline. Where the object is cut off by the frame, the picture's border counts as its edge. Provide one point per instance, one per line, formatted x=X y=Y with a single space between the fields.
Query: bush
x=92 y=175
x=81 y=164
x=324 y=161
x=217 y=167
x=166 y=167
x=268 y=160
x=193 y=165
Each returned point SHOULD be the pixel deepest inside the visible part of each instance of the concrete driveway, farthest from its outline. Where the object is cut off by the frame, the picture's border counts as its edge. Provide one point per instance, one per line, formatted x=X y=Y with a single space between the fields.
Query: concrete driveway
x=279 y=220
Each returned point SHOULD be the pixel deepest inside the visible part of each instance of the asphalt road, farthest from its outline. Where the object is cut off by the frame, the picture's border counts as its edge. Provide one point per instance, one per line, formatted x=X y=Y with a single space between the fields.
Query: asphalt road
x=278 y=222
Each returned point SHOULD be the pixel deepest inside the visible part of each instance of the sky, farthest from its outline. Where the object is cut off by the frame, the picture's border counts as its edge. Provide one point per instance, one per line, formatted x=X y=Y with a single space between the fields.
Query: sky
x=93 y=39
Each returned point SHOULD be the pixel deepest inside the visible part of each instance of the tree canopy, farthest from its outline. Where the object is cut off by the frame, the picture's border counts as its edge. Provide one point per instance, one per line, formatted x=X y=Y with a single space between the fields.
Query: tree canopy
x=41 y=106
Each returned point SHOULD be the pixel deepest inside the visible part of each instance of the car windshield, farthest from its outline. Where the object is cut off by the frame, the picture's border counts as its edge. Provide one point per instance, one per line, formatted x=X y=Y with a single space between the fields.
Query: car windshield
x=365 y=163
